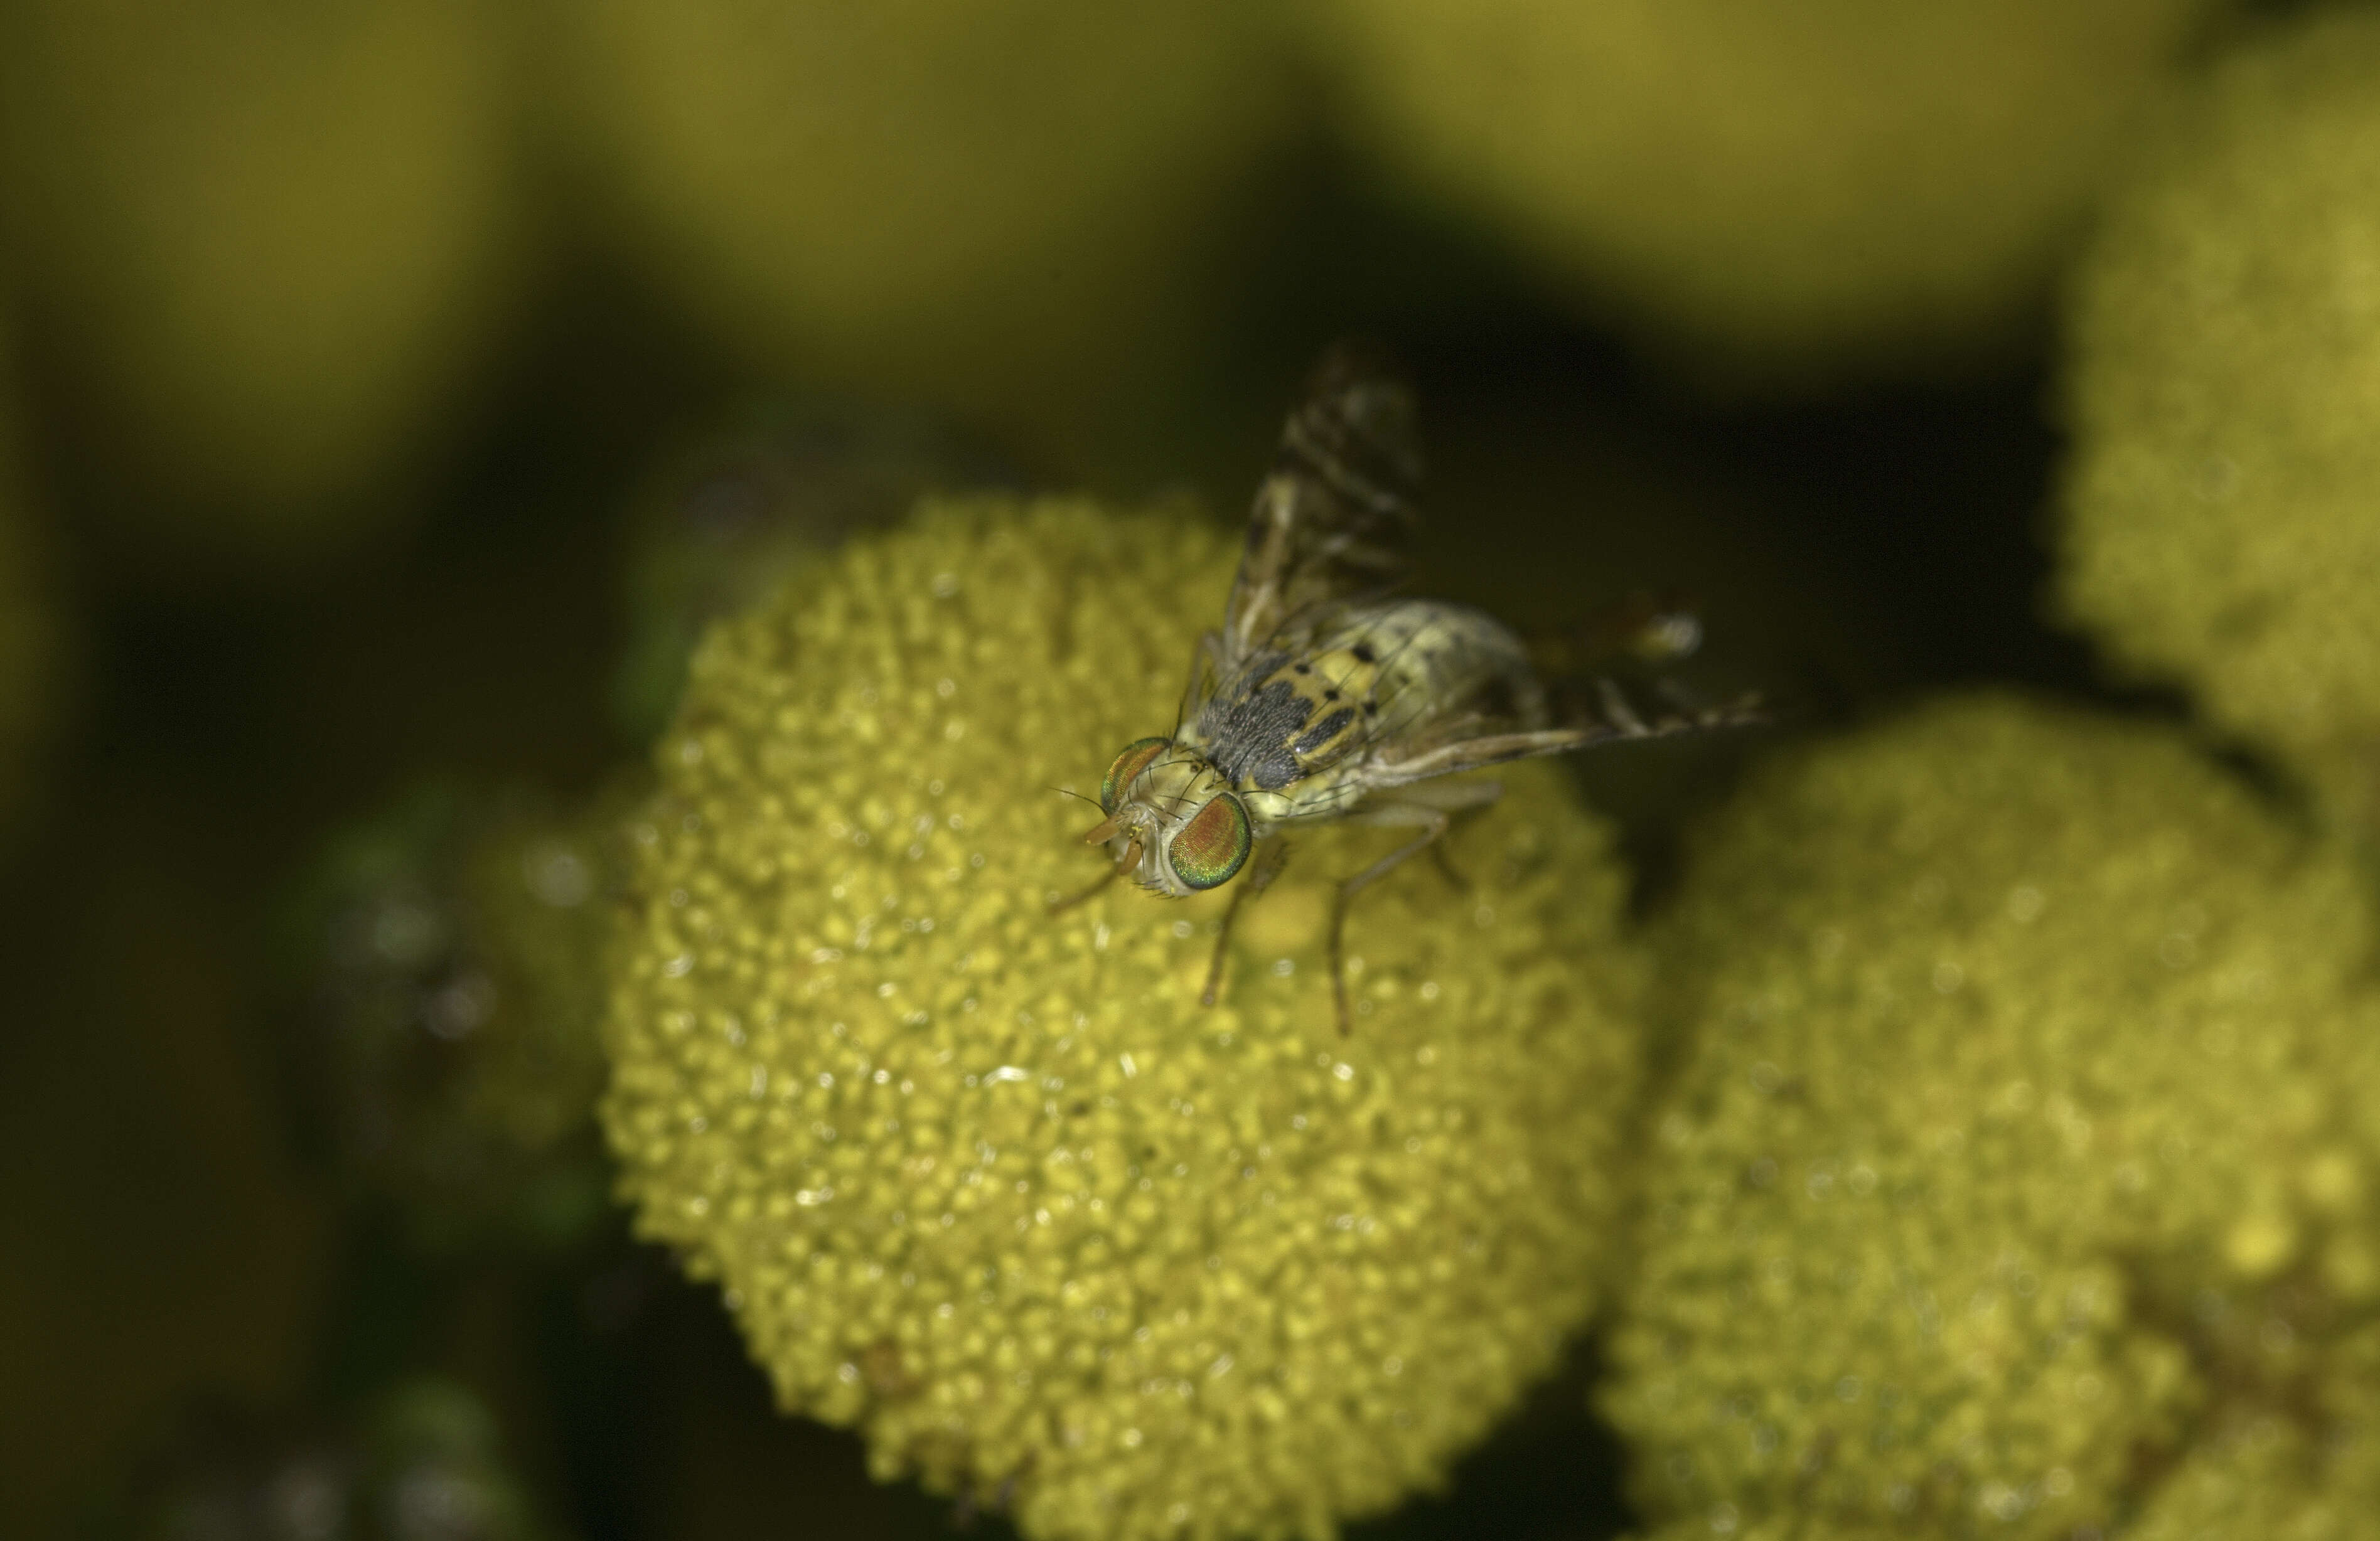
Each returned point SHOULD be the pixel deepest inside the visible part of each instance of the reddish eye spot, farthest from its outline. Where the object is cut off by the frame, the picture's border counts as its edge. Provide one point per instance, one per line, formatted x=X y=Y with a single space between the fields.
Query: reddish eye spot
x=1213 y=845
x=1127 y=768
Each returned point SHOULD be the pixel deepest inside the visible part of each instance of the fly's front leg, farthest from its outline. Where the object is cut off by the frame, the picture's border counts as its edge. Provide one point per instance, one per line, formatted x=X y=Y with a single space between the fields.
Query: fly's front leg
x=1430 y=807
x=1446 y=868
x=1269 y=865
x=1131 y=860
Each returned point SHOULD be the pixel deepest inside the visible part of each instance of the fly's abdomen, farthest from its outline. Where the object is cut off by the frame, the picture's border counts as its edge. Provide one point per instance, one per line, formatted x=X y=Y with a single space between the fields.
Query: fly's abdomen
x=1434 y=661
x=1291 y=715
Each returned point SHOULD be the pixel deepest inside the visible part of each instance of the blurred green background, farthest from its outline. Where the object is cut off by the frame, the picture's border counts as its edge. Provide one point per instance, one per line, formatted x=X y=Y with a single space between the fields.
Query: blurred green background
x=388 y=393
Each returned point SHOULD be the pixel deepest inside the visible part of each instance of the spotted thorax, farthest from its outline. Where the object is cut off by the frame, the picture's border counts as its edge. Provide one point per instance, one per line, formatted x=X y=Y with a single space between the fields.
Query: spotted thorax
x=1325 y=697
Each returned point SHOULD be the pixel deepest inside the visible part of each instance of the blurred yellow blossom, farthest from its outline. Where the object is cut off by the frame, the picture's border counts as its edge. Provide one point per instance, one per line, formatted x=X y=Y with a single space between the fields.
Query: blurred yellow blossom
x=2020 y=1179
x=270 y=239
x=2225 y=337
x=1003 y=210
x=1774 y=189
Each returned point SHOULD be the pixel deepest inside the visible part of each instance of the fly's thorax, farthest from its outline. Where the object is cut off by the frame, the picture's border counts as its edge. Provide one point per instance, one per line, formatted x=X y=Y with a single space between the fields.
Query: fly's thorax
x=1290 y=713
x=1312 y=711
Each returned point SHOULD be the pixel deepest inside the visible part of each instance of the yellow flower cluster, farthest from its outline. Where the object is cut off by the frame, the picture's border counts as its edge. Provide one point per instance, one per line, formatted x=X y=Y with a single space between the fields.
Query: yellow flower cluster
x=2225 y=333
x=990 y=1185
x=2022 y=1180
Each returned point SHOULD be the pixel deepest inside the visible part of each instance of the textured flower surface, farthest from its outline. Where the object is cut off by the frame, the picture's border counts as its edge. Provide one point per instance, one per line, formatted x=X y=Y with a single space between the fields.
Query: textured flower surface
x=2224 y=338
x=990 y=1185
x=2020 y=1182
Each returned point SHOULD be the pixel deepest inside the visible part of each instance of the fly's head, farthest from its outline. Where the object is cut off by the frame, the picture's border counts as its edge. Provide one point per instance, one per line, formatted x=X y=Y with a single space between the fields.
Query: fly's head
x=1172 y=821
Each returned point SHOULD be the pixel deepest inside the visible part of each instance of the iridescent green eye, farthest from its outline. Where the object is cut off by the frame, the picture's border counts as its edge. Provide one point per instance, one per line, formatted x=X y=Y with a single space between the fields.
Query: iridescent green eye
x=1128 y=767
x=1213 y=845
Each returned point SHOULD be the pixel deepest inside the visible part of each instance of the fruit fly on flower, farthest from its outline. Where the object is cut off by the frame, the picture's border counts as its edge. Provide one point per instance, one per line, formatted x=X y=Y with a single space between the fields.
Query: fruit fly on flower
x=1325 y=697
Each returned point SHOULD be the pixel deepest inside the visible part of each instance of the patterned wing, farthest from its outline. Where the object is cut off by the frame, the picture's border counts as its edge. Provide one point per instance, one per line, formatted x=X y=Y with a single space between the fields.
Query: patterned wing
x=1488 y=729
x=1332 y=518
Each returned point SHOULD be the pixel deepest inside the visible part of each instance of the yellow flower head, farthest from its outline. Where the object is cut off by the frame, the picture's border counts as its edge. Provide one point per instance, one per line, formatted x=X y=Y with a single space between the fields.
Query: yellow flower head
x=2021 y=1180
x=990 y=1185
x=2226 y=336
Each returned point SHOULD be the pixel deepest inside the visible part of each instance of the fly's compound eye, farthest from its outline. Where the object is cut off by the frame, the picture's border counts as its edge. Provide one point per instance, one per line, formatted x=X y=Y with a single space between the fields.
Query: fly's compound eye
x=1213 y=845
x=1127 y=768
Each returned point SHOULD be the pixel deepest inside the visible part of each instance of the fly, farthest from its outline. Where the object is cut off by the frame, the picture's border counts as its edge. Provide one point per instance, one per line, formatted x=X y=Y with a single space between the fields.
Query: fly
x=1324 y=696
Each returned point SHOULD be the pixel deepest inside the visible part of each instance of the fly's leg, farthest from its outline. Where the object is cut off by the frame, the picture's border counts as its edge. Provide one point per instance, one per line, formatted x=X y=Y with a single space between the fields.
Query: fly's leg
x=1059 y=906
x=971 y=1502
x=1434 y=825
x=1131 y=858
x=1268 y=868
x=1429 y=807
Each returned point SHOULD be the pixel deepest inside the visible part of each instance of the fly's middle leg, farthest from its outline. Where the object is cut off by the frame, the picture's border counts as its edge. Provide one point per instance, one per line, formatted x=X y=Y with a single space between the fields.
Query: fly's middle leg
x=1432 y=808
x=1269 y=862
x=1433 y=824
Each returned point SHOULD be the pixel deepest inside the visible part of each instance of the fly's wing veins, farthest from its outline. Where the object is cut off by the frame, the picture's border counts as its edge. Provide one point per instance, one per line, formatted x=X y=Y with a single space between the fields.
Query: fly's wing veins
x=1595 y=713
x=1332 y=518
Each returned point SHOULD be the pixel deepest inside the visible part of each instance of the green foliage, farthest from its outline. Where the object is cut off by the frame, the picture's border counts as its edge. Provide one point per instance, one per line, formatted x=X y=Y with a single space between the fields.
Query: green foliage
x=2020 y=1179
x=990 y=1185
x=434 y=1466
x=451 y=1036
x=424 y=1462
x=2224 y=335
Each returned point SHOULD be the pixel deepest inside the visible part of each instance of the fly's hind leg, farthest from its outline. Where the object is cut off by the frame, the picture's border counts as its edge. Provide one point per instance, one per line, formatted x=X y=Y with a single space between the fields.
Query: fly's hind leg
x=1269 y=865
x=1432 y=810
